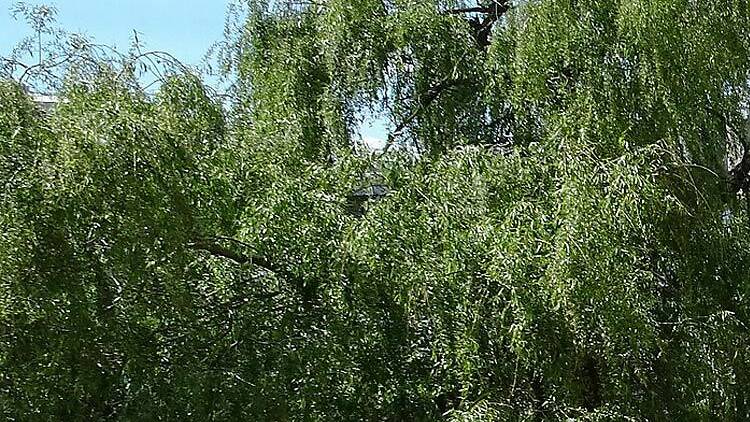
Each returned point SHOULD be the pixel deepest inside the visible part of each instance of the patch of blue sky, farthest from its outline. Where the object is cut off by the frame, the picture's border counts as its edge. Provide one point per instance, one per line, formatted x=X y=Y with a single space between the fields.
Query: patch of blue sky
x=184 y=28
x=374 y=131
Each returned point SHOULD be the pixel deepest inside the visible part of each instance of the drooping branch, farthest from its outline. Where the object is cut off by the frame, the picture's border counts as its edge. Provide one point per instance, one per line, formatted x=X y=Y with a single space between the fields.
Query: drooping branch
x=42 y=66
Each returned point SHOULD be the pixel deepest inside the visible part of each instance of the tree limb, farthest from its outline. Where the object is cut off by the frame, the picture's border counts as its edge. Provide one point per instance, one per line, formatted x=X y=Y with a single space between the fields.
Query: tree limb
x=210 y=245
x=483 y=27
x=214 y=248
x=476 y=9
x=739 y=174
x=423 y=101
x=495 y=7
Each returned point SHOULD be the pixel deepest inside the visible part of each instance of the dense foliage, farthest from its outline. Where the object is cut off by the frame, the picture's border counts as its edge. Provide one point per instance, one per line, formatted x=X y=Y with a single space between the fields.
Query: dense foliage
x=564 y=235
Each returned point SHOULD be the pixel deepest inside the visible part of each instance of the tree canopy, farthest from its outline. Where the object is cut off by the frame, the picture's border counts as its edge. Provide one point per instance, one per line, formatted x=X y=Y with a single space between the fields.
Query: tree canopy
x=560 y=230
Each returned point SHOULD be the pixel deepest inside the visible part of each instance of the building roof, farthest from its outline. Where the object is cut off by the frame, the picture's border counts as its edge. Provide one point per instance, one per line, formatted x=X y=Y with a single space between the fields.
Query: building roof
x=45 y=102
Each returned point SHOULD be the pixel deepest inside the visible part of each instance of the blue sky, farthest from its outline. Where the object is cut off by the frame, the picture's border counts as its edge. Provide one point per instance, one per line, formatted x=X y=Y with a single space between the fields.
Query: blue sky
x=186 y=29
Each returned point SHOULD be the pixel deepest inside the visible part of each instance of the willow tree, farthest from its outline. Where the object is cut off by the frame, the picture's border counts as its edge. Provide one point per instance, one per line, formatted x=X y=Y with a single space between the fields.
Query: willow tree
x=564 y=234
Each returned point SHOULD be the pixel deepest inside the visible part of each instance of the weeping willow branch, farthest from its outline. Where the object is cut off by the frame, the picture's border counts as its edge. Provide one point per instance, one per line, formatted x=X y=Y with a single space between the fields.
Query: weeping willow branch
x=213 y=247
